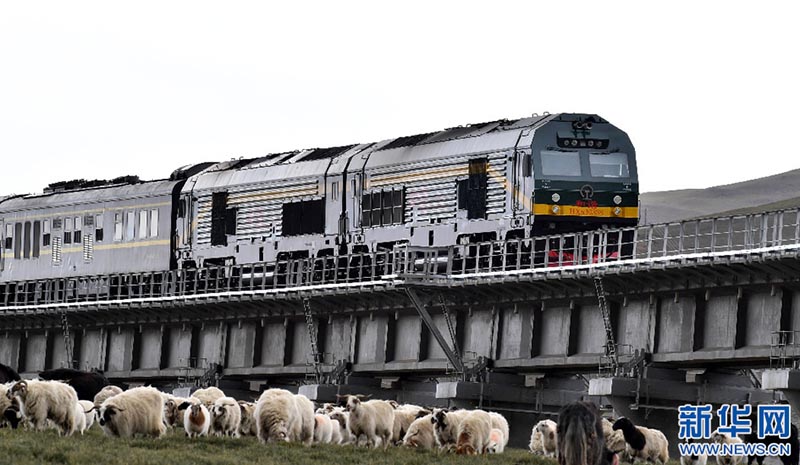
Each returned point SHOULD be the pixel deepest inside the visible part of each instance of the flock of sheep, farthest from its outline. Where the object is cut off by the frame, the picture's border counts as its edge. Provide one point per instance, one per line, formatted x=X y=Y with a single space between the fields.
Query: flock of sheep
x=278 y=415
x=581 y=436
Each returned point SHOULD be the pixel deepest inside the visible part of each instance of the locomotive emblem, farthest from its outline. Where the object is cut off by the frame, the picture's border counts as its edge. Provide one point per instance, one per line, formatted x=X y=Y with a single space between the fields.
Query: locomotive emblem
x=586 y=192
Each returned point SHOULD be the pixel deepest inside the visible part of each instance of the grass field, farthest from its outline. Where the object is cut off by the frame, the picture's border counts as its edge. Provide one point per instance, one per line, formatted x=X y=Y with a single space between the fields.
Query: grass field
x=21 y=447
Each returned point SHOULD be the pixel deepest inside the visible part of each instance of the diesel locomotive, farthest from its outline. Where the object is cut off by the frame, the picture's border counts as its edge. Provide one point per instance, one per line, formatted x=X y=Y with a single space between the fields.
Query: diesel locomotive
x=498 y=180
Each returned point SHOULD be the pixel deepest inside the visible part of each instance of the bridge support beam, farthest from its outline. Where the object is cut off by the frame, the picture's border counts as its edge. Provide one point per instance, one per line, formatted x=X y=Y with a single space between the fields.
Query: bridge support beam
x=405 y=392
x=787 y=382
x=664 y=390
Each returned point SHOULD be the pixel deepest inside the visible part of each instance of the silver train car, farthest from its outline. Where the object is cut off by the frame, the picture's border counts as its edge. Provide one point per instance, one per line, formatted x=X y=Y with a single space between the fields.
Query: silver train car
x=490 y=181
x=498 y=180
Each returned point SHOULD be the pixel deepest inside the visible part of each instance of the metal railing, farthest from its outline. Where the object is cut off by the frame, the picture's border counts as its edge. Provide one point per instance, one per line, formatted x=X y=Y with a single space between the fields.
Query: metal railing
x=785 y=350
x=287 y=274
x=686 y=241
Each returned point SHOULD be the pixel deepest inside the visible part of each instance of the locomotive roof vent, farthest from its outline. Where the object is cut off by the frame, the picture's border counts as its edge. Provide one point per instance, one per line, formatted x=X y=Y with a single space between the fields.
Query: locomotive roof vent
x=79 y=184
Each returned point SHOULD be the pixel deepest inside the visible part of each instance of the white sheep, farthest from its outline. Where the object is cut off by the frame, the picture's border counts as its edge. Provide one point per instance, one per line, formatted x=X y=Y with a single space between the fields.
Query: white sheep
x=336 y=431
x=373 y=419
x=323 y=429
x=724 y=438
x=342 y=420
x=499 y=422
x=283 y=416
x=208 y=395
x=196 y=418
x=445 y=426
x=135 y=411
x=497 y=442
x=420 y=434
x=87 y=409
x=404 y=415
x=700 y=459
x=473 y=433
x=544 y=438
x=80 y=418
x=643 y=444
x=247 y=426
x=40 y=401
x=105 y=393
x=226 y=416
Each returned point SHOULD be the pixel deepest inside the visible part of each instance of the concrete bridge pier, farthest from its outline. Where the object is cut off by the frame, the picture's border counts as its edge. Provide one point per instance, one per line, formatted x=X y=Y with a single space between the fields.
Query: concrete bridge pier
x=522 y=399
x=664 y=390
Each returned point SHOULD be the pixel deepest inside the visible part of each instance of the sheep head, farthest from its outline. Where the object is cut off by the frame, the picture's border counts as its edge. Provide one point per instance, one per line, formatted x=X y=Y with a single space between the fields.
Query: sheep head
x=20 y=388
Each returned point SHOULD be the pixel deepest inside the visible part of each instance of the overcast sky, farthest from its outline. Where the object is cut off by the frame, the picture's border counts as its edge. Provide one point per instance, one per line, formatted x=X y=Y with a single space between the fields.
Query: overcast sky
x=707 y=91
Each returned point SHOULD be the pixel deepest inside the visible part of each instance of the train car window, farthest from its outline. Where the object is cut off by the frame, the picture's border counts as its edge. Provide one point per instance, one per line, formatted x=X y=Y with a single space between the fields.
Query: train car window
x=46 y=233
x=477 y=188
x=398 y=204
x=334 y=191
x=117 y=226
x=182 y=208
x=98 y=228
x=76 y=235
x=26 y=246
x=386 y=207
x=68 y=230
x=37 y=236
x=560 y=163
x=382 y=208
x=153 y=223
x=142 y=224
x=9 y=240
x=376 y=208
x=527 y=166
x=462 y=194
x=306 y=217
x=230 y=221
x=18 y=240
x=130 y=226
x=609 y=165
x=219 y=203
x=366 y=210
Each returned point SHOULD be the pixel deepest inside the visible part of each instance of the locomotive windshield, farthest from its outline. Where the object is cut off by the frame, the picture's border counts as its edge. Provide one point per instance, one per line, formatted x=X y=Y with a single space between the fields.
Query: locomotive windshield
x=609 y=165
x=560 y=163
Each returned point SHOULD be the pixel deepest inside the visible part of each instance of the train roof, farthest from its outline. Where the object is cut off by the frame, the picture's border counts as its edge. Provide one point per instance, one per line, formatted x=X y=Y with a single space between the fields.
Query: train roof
x=298 y=163
x=106 y=193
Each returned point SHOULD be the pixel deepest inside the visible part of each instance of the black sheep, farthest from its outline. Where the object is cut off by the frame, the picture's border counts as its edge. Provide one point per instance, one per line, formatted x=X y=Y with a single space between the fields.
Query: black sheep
x=86 y=384
x=8 y=374
x=580 y=436
x=632 y=435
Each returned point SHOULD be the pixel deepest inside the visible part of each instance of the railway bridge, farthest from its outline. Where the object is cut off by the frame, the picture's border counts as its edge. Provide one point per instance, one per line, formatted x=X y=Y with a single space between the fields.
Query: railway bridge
x=641 y=320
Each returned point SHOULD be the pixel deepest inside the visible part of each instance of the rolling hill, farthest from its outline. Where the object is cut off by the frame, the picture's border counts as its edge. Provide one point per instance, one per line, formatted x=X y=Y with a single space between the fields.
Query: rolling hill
x=769 y=193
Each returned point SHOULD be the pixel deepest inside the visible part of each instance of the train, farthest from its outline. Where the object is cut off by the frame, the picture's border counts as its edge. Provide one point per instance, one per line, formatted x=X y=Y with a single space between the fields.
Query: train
x=493 y=181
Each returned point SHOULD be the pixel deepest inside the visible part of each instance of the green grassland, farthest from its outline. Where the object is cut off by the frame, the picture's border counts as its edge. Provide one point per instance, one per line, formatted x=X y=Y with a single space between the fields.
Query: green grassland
x=22 y=447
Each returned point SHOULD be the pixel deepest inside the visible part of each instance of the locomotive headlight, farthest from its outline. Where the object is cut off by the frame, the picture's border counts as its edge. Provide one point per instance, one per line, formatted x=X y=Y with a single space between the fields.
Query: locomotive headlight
x=617 y=200
x=617 y=211
x=591 y=143
x=574 y=142
x=556 y=197
x=555 y=209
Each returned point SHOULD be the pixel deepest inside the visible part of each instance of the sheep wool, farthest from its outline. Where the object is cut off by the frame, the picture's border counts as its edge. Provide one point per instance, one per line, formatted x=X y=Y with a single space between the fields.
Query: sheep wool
x=137 y=411
x=473 y=433
x=40 y=401
x=420 y=434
